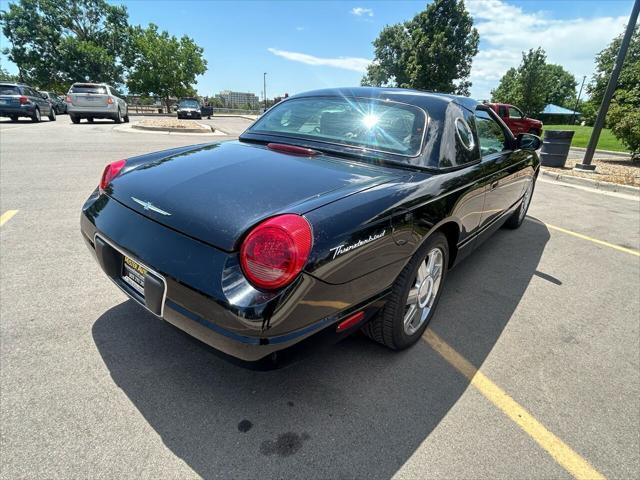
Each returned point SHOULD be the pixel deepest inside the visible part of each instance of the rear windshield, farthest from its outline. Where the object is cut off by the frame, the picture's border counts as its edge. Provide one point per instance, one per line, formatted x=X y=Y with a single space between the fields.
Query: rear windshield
x=188 y=104
x=88 y=89
x=379 y=125
x=9 y=90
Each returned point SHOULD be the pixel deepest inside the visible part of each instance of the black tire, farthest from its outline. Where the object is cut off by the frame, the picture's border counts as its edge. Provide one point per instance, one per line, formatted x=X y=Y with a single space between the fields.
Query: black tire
x=388 y=327
x=517 y=217
x=74 y=119
x=118 y=117
x=52 y=114
x=14 y=118
x=126 y=118
x=90 y=119
x=35 y=118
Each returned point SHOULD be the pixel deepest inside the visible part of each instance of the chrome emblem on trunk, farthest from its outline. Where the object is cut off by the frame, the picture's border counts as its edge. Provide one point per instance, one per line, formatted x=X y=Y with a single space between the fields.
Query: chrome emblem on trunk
x=149 y=206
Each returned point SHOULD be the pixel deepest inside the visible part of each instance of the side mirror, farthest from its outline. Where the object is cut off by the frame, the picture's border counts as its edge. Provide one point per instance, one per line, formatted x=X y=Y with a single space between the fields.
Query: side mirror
x=528 y=141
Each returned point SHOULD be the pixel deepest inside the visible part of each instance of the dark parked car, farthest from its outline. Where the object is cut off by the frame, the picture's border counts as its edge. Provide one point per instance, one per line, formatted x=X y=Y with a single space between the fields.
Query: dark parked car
x=18 y=100
x=57 y=101
x=337 y=210
x=189 y=108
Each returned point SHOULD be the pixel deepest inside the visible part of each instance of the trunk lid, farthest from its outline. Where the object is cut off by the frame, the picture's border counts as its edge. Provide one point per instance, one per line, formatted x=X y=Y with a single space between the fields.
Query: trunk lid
x=88 y=95
x=216 y=192
x=10 y=95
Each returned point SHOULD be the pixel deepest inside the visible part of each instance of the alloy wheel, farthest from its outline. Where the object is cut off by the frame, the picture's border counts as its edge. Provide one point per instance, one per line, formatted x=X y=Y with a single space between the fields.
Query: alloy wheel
x=424 y=291
x=525 y=201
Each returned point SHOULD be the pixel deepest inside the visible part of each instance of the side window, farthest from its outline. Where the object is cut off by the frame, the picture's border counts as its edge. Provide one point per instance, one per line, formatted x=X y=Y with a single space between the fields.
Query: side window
x=502 y=111
x=490 y=134
x=465 y=135
x=514 y=113
x=29 y=92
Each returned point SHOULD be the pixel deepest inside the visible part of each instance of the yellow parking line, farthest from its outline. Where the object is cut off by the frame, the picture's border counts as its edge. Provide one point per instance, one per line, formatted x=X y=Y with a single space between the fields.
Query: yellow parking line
x=630 y=251
x=559 y=451
x=6 y=216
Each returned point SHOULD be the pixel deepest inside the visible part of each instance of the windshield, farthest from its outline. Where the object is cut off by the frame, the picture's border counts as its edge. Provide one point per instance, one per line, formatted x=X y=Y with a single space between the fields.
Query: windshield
x=88 y=89
x=188 y=104
x=379 y=125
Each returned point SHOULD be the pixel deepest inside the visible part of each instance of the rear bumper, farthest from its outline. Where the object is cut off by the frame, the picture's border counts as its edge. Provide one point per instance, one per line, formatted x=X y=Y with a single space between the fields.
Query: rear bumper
x=20 y=111
x=195 y=299
x=108 y=111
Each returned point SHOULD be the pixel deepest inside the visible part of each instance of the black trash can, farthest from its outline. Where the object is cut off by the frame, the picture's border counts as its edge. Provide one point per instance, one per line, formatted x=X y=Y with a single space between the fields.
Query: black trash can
x=555 y=147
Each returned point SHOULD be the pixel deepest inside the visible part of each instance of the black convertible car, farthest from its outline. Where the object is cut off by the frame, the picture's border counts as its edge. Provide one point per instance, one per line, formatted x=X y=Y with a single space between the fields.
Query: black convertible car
x=337 y=210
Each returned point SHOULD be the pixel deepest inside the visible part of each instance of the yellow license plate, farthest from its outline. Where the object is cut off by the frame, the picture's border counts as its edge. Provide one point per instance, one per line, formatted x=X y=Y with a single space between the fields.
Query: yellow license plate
x=133 y=274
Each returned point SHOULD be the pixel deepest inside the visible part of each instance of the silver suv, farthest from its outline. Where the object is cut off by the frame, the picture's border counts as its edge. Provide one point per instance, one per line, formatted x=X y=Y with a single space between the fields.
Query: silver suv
x=96 y=100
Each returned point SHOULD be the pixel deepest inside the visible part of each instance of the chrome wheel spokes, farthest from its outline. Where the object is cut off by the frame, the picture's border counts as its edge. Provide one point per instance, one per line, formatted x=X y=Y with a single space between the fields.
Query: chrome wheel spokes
x=423 y=291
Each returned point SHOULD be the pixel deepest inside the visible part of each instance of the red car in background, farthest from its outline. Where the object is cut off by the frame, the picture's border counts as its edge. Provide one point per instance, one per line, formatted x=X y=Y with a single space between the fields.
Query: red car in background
x=516 y=120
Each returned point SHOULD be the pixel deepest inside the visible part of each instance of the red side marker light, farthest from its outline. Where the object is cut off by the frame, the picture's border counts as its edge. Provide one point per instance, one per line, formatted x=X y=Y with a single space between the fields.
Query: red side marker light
x=293 y=149
x=110 y=172
x=350 y=322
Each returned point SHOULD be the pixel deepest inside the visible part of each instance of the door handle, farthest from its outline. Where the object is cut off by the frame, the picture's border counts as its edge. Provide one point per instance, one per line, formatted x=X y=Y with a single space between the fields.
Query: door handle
x=494 y=184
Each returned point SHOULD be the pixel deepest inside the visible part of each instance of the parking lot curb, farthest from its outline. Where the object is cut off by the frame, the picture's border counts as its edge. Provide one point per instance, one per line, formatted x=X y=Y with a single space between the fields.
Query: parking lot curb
x=205 y=131
x=587 y=182
x=605 y=152
x=128 y=128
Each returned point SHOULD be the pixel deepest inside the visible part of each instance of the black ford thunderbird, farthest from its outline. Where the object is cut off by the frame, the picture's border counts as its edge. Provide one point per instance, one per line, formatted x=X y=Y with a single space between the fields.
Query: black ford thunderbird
x=338 y=210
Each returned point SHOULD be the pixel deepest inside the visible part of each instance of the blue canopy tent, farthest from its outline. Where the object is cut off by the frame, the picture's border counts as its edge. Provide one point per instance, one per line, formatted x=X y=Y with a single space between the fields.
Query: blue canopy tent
x=552 y=109
x=555 y=114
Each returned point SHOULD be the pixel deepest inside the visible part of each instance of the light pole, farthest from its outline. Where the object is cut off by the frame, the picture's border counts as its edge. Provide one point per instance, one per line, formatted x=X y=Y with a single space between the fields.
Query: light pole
x=264 y=91
x=573 y=115
x=611 y=88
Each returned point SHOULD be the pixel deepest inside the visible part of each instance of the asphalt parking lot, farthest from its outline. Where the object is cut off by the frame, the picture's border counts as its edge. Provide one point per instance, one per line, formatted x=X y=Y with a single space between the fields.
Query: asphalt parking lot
x=530 y=369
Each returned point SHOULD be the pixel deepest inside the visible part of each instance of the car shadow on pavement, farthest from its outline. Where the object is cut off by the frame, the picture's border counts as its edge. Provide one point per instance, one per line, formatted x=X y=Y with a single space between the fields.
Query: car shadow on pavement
x=356 y=410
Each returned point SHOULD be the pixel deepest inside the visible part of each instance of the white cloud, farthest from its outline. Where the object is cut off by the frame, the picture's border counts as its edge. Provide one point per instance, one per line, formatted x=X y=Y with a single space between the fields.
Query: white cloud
x=354 y=64
x=506 y=31
x=362 y=12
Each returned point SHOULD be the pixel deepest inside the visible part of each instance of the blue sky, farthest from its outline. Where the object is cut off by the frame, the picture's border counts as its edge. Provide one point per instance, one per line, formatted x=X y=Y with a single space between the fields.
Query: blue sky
x=308 y=45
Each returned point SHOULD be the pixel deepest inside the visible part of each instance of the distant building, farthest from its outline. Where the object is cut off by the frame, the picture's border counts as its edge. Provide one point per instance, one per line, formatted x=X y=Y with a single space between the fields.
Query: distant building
x=238 y=99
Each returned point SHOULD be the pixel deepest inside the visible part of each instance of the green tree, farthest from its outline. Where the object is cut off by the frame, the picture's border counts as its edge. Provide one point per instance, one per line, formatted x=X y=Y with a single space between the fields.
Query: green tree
x=7 y=77
x=432 y=51
x=560 y=86
x=508 y=90
x=532 y=77
x=624 y=112
x=57 y=42
x=535 y=83
x=160 y=64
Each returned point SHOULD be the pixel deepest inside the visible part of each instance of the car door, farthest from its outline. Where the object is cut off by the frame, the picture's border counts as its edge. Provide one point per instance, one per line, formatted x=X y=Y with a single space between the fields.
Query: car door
x=36 y=98
x=517 y=120
x=119 y=100
x=500 y=166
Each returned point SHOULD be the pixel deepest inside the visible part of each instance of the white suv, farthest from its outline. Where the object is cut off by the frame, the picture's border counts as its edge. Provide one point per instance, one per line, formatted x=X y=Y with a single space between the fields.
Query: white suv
x=96 y=100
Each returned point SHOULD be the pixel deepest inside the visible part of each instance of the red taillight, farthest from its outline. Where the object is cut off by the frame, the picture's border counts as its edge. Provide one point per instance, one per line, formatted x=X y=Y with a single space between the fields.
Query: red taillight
x=294 y=149
x=275 y=251
x=23 y=100
x=110 y=172
x=109 y=100
x=350 y=322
